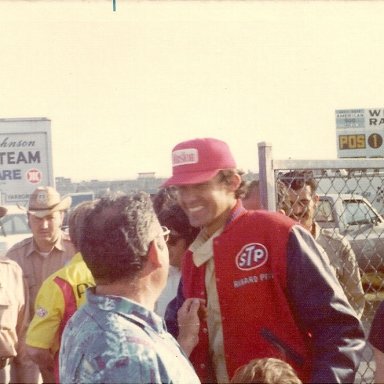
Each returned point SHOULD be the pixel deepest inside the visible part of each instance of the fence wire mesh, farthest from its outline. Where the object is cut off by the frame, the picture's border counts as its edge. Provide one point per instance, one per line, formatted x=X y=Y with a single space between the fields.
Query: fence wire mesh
x=349 y=217
x=347 y=206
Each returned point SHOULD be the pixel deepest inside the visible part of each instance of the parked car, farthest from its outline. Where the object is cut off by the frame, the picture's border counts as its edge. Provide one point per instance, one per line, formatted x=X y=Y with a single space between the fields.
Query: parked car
x=13 y=228
x=355 y=218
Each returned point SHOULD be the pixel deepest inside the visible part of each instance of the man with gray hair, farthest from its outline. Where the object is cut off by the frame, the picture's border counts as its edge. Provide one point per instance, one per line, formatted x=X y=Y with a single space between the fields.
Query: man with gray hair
x=116 y=336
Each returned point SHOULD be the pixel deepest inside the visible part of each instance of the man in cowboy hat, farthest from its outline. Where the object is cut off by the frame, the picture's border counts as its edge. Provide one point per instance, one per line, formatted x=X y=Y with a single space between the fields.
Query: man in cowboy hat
x=39 y=256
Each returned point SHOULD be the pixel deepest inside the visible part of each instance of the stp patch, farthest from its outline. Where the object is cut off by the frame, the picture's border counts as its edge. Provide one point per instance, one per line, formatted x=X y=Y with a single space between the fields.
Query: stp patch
x=251 y=256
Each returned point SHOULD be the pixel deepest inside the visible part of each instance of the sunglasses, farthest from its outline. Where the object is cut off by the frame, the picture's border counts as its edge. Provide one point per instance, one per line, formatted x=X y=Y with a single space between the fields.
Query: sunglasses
x=166 y=233
x=173 y=239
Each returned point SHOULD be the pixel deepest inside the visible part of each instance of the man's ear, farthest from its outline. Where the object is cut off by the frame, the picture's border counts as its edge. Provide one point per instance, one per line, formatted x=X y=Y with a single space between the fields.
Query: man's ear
x=234 y=182
x=154 y=254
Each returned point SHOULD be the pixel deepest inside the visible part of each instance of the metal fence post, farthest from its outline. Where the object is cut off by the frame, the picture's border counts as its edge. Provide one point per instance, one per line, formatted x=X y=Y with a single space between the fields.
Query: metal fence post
x=266 y=176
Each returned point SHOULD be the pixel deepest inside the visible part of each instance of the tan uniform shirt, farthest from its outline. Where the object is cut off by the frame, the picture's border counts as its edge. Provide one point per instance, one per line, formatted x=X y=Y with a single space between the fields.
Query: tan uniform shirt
x=343 y=260
x=202 y=249
x=36 y=267
x=13 y=308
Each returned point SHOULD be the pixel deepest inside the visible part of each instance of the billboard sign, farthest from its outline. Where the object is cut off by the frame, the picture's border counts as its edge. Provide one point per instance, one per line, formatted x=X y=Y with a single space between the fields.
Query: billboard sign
x=360 y=132
x=25 y=158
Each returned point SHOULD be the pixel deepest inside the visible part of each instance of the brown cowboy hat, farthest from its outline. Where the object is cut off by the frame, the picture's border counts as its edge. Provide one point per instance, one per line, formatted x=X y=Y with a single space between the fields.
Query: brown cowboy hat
x=46 y=200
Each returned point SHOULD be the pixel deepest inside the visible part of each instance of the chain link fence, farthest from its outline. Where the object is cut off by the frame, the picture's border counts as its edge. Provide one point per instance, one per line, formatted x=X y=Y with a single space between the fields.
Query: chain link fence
x=350 y=223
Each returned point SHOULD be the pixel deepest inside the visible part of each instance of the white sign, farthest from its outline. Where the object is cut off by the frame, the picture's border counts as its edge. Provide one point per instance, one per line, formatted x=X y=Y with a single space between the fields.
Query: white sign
x=360 y=132
x=25 y=158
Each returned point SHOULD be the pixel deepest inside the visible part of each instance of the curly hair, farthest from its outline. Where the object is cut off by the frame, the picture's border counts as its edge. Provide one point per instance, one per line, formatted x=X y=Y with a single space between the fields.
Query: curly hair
x=297 y=179
x=118 y=236
x=226 y=175
x=173 y=217
x=164 y=199
x=266 y=371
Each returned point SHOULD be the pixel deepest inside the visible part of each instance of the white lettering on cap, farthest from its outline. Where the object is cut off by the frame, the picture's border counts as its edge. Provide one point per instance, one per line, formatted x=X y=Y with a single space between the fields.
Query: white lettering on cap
x=185 y=156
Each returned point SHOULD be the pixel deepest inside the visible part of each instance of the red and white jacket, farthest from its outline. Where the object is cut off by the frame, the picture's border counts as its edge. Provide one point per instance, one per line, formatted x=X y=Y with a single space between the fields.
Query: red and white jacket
x=278 y=298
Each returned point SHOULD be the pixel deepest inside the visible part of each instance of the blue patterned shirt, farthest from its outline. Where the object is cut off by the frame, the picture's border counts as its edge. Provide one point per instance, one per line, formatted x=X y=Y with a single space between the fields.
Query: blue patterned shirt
x=114 y=340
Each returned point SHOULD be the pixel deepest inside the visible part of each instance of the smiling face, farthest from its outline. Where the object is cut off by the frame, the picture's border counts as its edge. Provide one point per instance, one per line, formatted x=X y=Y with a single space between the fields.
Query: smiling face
x=208 y=204
x=303 y=205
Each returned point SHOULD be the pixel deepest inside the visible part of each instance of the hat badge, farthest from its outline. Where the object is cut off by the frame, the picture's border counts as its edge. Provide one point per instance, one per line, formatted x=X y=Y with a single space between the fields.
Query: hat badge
x=42 y=198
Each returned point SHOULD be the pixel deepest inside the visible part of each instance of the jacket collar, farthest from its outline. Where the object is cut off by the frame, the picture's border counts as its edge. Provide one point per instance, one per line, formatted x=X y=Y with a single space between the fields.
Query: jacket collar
x=237 y=211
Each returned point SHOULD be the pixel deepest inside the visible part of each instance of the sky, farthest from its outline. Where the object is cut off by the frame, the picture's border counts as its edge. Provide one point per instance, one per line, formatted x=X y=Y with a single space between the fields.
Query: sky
x=122 y=87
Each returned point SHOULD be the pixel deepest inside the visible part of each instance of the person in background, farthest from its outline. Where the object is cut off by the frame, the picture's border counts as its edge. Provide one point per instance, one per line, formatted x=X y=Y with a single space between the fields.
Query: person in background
x=180 y=237
x=57 y=300
x=266 y=371
x=39 y=256
x=282 y=202
x=251 y=199
x=376 y=339
x=115 y=336
x=269 y=290
x=14 y=313
x=163 y=199
x=304 y=199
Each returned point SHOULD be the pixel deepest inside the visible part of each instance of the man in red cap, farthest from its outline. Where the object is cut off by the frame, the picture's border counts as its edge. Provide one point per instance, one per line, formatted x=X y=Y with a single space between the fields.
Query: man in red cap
x=269 y=291
x=39 y=256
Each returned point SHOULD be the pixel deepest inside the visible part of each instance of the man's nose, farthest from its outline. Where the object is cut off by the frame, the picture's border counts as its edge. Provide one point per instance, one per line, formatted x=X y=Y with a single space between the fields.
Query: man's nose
x=298 y=210
x=44 y=224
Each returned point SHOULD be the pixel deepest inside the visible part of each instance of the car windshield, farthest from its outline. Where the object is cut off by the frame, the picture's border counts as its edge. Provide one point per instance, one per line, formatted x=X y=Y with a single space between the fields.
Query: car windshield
x=13 y=224
x=356 y=212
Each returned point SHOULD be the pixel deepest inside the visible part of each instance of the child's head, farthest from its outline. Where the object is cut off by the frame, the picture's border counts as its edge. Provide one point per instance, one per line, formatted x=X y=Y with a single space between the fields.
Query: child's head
x=266 y=371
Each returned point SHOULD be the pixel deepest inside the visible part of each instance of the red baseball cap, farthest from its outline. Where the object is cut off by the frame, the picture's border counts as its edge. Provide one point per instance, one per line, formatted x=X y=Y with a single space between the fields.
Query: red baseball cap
x=199 y=160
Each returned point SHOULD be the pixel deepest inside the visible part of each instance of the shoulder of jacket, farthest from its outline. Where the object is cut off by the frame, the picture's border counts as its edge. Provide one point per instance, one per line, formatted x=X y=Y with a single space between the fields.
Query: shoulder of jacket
x=7 y=261
x=20 y=244
x=276 y=218
x=331 y=234
x=11 y=264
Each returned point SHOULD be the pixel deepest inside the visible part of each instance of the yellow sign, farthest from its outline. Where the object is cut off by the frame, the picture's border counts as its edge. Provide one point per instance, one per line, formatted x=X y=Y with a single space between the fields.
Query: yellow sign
x=351 y=141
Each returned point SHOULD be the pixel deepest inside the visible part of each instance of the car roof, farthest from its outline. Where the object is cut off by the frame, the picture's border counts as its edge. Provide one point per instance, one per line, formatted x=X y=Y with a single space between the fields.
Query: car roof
x=14 y=209
x=343 y=196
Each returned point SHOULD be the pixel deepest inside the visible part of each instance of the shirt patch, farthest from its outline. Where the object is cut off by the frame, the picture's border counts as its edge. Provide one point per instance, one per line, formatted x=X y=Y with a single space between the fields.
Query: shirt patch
x=251 y=256
x=41 y=312
x=185 y=156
